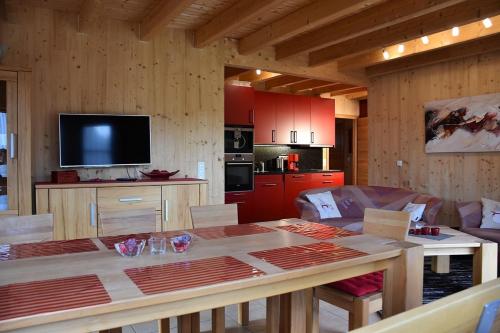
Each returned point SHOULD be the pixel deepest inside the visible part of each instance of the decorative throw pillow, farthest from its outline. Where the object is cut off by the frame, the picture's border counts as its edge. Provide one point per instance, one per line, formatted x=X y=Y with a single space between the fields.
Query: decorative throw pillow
x=416 y=211
x=325 y=204
x=491 y=214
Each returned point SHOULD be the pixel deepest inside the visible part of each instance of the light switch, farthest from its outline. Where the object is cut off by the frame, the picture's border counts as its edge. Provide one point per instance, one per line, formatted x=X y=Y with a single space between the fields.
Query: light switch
x=201 y=170
x=399 y=163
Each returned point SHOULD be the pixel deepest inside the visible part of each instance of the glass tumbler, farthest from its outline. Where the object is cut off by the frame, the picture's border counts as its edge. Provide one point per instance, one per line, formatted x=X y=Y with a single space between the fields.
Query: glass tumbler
x=157 y=245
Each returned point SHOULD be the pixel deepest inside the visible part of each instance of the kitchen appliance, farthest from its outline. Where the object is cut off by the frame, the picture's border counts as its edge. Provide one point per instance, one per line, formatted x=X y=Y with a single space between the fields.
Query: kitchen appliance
x=293 y=162
x=281 y=162
x=238 y=172
x=99 y=140
x=238 y=140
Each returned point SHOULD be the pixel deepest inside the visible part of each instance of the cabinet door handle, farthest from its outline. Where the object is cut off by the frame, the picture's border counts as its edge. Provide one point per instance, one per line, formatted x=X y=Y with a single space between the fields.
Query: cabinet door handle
x=251 y=116
x=327 y=182
x=298 y=176
x=165 y=210
x=12 y=148
x=130 y=199
x=291 y=136
x=312 y=137
x=237 y=194
x=327 y=175
x=273 y=136
x=92 y=215
x=295 y=136
x=240 y=202
x=270 y=185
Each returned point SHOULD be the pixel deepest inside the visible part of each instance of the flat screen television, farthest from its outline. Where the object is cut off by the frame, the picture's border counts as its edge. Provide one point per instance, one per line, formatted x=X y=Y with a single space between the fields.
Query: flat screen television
x=90 y=140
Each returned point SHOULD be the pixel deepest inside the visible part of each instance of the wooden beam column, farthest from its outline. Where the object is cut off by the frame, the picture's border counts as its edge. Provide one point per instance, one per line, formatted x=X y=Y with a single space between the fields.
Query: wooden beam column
x=160 y=16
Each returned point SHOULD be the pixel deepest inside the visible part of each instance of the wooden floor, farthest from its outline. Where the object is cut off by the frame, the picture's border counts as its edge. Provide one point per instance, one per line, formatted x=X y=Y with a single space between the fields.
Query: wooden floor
x=332 y=320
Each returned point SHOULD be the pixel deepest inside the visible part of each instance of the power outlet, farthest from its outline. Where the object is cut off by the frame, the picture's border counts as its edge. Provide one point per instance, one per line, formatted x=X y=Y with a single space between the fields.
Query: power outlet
x=399 y=163
x=201 y=170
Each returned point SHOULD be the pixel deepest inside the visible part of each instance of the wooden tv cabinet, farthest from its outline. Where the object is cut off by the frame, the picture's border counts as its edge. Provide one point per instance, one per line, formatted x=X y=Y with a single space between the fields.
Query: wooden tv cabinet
x=77 y=206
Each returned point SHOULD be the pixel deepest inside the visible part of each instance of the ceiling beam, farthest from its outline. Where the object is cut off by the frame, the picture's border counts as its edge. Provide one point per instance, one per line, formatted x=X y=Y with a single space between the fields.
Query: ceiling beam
x=155 y=21
x=242 y=12
x=477 y=46
x=467 y=32
x=347 y=91
x=230 y=72
x=90 y=12
x=371 y=19
x=308 y=85
x=309 y=17
x=357 y=95
x=283 y=80
x=332 y=87
x=252 y=76
x=459 y=14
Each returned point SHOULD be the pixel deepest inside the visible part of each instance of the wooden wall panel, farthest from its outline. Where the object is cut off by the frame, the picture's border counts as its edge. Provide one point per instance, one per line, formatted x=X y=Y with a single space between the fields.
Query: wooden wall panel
x=108 y=70
x=396 y=131
x=362 y=151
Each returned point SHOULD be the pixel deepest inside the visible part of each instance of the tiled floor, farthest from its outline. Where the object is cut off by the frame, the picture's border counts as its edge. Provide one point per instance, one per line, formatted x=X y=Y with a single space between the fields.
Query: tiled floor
x=332 y=320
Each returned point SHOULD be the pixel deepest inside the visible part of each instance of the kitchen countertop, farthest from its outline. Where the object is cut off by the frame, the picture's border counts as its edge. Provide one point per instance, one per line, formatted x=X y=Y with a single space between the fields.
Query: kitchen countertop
x=279 y=172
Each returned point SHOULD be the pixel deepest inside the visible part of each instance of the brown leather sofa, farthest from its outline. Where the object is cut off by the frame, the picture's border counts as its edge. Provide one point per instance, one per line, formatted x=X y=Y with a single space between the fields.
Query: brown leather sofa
x=471 y=214
x=352 y=201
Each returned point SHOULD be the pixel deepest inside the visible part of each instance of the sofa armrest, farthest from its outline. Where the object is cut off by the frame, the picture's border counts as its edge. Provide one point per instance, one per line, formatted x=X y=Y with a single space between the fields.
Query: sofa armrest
x=307 y=210
x=432 y=207
x=471 y=214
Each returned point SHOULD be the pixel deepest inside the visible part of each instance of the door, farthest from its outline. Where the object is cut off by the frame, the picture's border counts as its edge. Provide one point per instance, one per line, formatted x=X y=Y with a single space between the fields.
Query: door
x=302 y=119
x=238 y=176
x=284 y=118
x=176 y=202
x=322 y=121
x=238 y=105
x=75 y=212
x=362 y=151
x=269 y=192
x=265 y=118
x=9 y=197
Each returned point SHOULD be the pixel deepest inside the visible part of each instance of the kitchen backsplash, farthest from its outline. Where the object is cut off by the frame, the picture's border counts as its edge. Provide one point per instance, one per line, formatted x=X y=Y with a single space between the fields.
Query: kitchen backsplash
x=309 y=158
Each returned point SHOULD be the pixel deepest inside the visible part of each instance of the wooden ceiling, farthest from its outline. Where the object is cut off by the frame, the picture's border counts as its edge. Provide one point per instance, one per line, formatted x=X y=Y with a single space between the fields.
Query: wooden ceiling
x=323 y=30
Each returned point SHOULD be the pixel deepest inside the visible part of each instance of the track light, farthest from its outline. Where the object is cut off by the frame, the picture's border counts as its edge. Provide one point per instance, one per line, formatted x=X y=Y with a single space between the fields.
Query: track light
x=487 y=23
x=258 y=71
x=385 y=53
x=401 y=48
x=425 y=40
x=455 y=31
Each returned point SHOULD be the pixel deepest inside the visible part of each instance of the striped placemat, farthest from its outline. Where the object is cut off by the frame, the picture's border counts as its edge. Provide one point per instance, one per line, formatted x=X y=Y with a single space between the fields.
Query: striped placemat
x=43 y=249
x=109 y=241
x=230 y=231
x=190 y=274
x=317 y=231
x=301 y=256
x=30 y=298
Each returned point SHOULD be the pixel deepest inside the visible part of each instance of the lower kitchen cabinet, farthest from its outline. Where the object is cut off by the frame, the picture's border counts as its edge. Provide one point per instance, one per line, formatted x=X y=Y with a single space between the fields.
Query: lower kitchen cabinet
x=268 y=197
x=245 y=201
x=294 y=184
x=327 y=179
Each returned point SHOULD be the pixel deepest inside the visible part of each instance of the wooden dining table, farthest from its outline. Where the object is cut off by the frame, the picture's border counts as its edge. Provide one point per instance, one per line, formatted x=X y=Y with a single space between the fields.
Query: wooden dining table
x=85 y=285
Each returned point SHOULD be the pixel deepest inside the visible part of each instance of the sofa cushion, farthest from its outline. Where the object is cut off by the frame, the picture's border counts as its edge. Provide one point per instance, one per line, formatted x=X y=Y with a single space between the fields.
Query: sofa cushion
x=470 y=214
x=325 y=204
x=491 y=214
x=361 y=285
x=416 y=210
x=484 y=233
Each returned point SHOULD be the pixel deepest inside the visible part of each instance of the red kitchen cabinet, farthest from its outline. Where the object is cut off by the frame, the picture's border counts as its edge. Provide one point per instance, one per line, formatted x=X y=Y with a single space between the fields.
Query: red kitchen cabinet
x=322 y=121
x=327 y=179
x=245 y=201
x=294 y=184
x=302 y=119
x=239 y=105
x=265 y=118
x=284 y=118
x=268 y=197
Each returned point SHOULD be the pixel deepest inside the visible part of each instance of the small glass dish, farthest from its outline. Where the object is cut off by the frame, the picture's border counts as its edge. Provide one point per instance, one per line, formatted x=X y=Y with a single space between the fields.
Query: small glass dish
x=157 y=245
x=181 y=243
x=131 y=247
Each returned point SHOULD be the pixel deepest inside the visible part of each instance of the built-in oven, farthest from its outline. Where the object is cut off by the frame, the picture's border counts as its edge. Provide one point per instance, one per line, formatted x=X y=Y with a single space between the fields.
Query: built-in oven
x=238 y=140
x=238 y=172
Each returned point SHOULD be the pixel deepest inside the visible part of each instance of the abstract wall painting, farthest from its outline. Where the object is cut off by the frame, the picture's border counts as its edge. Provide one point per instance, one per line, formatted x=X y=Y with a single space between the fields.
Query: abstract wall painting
x=462 y=125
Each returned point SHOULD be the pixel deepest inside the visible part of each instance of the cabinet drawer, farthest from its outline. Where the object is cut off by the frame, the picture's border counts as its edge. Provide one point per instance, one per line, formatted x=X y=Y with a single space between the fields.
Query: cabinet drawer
x=328 y=179
x=134 y=197
x=297 y=177
x=275 y=179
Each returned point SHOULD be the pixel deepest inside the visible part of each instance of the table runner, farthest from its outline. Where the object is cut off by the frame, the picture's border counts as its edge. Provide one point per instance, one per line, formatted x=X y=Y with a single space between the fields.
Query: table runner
x=317 y=231
x=43 y=249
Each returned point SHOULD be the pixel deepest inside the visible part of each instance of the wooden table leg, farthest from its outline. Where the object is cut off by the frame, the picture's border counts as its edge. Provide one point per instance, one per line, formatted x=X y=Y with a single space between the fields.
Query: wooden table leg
x=219 y=320
x=403 y=280
x=273 y=314
x=312 y=311
x=440 y=264
x=164 y=325
x=189 y=323
x=298 y=312
x=285 y=313
x=243 y=313
x=485 y=263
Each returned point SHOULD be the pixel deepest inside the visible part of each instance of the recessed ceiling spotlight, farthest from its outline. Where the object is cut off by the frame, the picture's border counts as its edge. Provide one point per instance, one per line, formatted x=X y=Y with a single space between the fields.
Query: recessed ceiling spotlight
x=455 y=31
x=401 y=48
x=385 y=53
x=487 y=23
x=425 y=40
x=258 y=71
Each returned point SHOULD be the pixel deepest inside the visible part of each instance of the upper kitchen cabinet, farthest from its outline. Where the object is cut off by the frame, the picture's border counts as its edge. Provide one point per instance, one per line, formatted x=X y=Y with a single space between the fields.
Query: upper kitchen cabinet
x=301 y=119
x=283 y=105
x=322 y=121
x=265 y=118
x=239 y=105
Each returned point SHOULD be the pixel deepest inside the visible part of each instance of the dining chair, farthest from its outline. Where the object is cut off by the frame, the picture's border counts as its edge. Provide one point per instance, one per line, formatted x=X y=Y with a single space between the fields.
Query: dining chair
x=362 y=295
x=113 y=223
x=26 y=229
x=216 y=216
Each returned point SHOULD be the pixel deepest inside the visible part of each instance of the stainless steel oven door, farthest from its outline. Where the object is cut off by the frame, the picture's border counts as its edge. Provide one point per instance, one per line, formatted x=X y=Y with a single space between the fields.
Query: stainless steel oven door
x=238 y=176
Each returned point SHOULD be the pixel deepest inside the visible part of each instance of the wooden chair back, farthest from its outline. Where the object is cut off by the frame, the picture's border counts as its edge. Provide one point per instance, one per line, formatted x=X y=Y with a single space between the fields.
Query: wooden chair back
x=134 y=221
x=386 y=223
x=26 y=229
x=214 y=215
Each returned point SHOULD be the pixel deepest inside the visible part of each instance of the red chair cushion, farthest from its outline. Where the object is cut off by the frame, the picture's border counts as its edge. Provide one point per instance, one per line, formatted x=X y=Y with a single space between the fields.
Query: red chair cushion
x=361 y=285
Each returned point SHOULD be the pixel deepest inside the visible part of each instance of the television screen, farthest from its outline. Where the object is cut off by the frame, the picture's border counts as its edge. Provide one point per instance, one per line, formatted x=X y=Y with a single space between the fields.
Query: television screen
x=104 y=140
